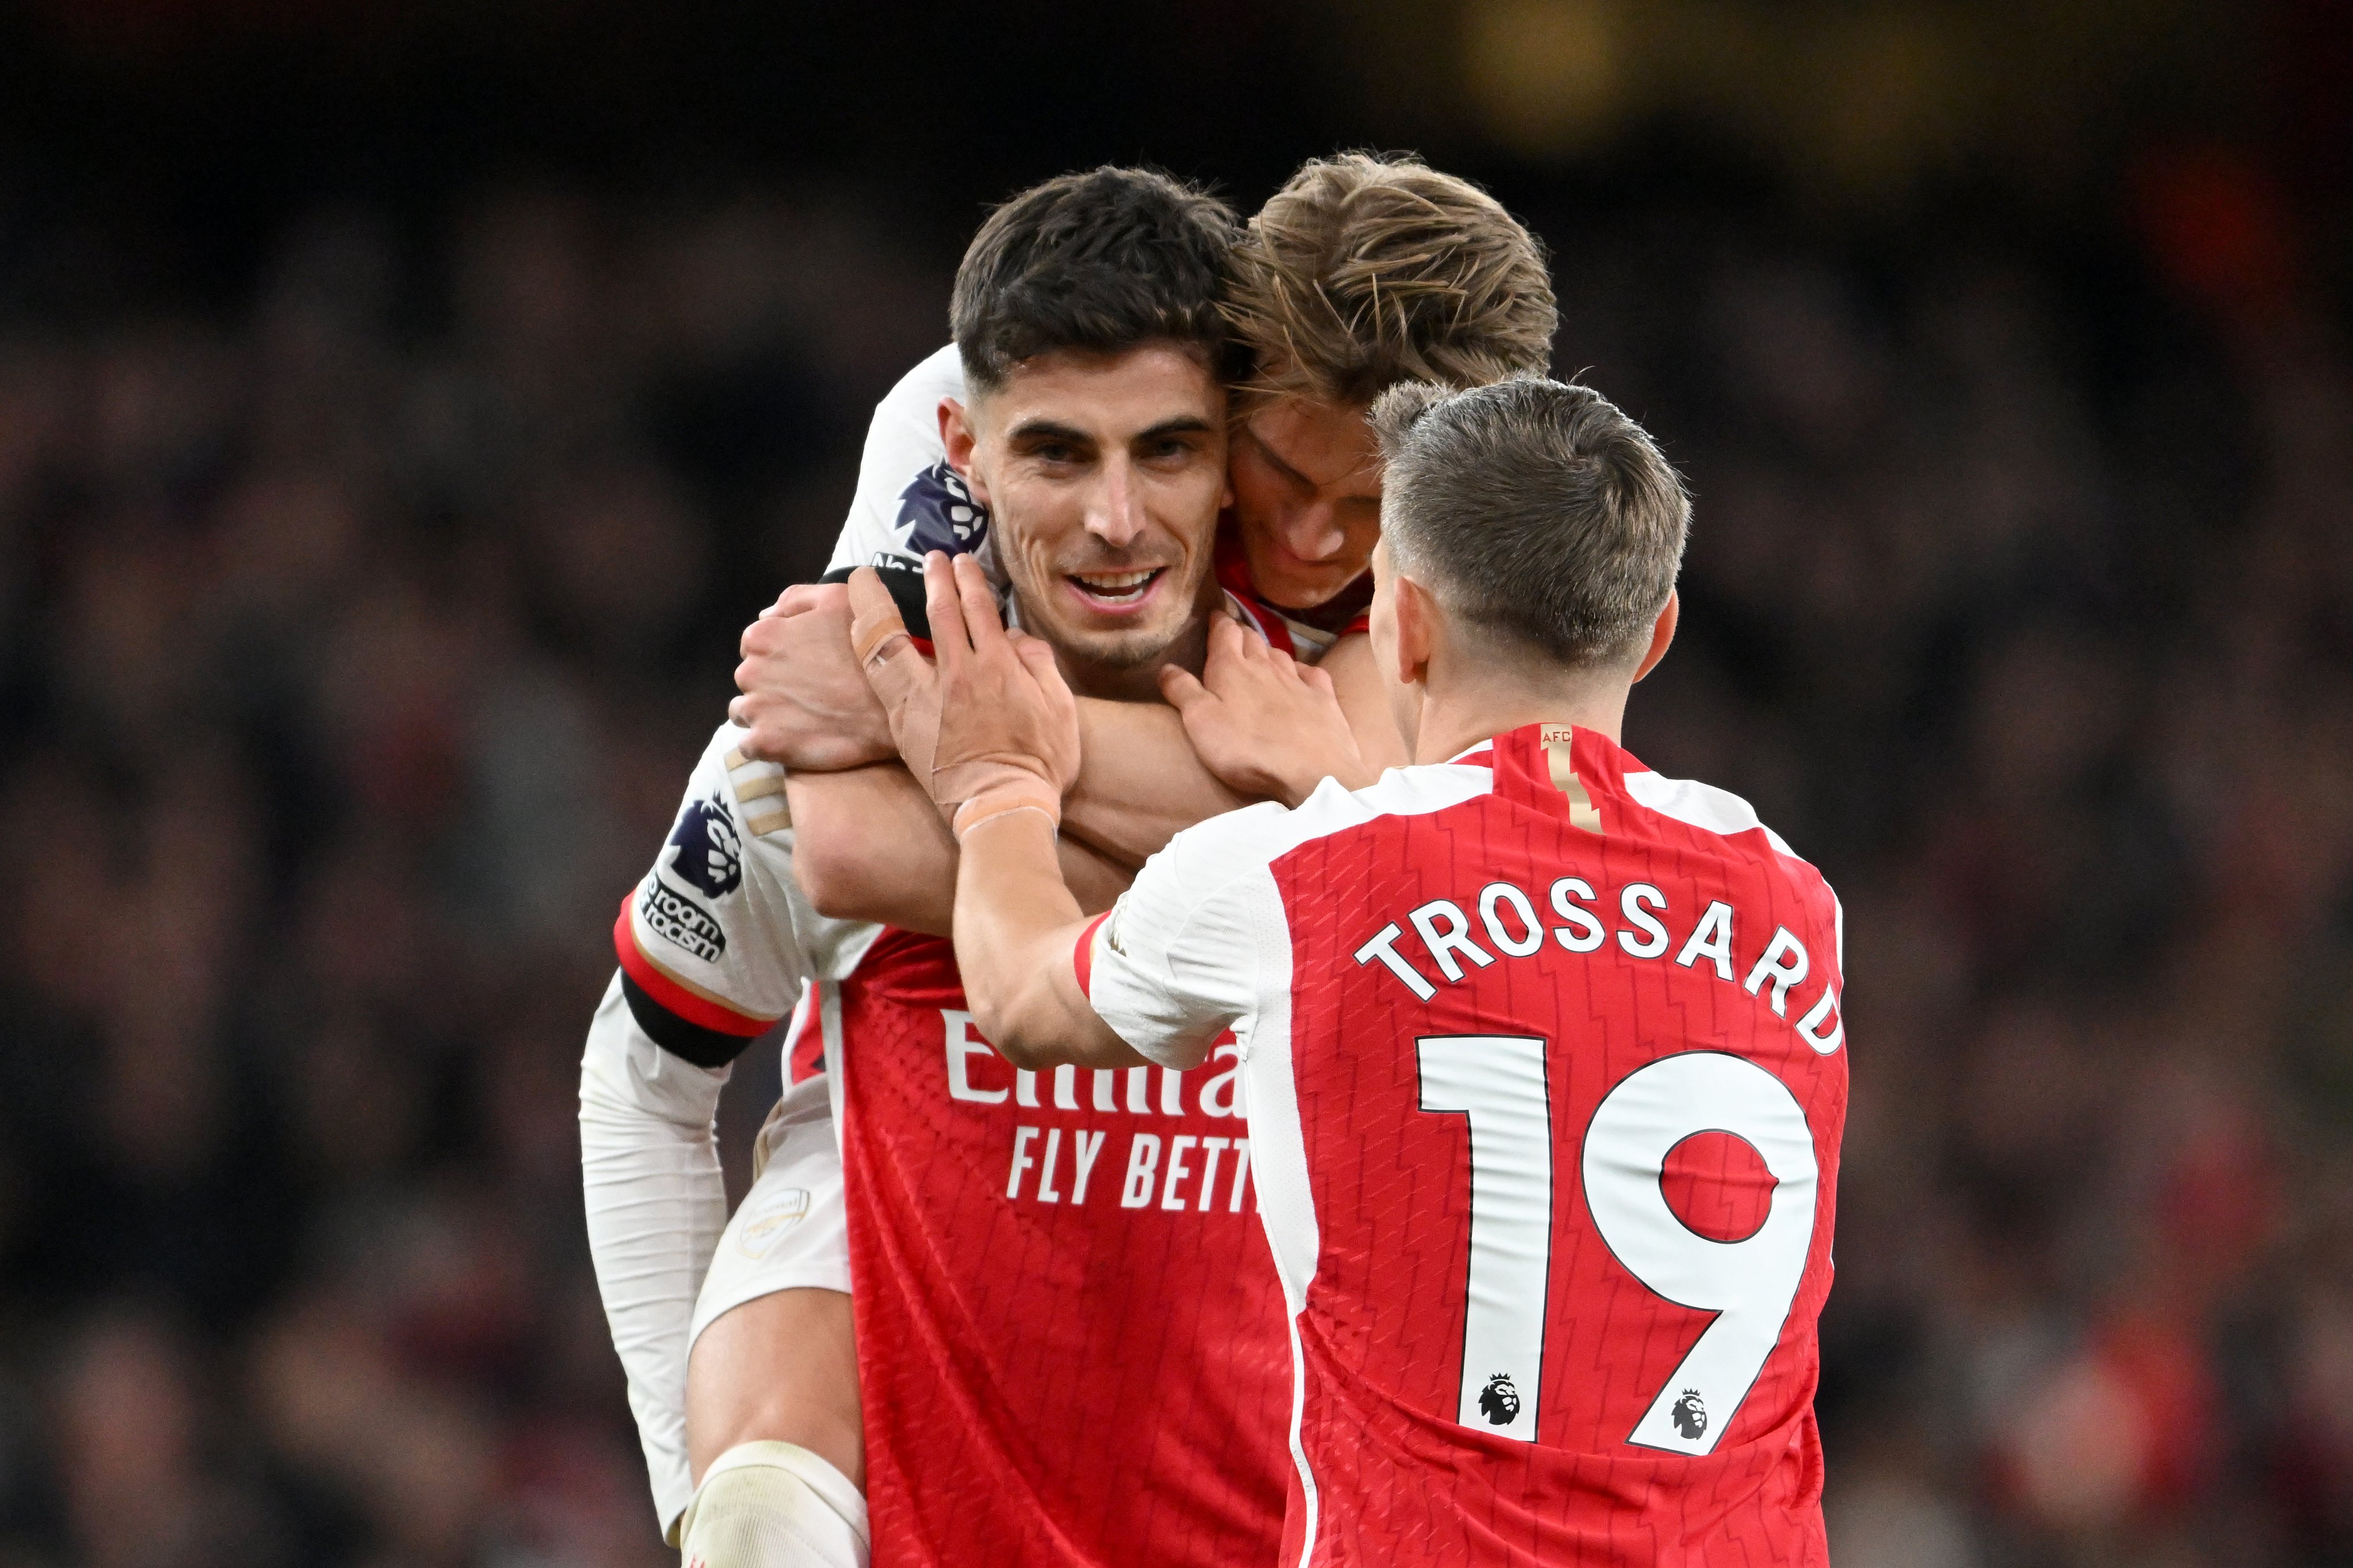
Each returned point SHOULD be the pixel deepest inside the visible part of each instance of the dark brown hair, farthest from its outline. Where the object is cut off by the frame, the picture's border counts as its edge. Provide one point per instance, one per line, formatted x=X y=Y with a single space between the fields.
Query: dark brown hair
x=1099 y=262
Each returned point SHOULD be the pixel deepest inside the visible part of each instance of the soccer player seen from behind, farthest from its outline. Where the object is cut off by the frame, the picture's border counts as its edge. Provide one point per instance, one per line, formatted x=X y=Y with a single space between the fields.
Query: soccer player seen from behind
x=1543 y=1050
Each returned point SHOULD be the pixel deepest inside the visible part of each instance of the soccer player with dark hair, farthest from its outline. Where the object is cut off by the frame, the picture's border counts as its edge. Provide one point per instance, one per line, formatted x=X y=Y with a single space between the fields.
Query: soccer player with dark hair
x=1090 y=309
x=1542 y=1051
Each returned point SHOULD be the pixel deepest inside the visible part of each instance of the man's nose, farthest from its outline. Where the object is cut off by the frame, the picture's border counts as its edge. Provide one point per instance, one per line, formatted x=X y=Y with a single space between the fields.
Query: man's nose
x=1312 y=531
x=1115 y=514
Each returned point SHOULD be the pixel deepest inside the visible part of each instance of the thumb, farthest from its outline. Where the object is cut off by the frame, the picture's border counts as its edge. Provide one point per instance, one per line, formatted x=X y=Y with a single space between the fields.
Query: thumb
x=874 y=615
x=1038 y=653
x=1181 y=687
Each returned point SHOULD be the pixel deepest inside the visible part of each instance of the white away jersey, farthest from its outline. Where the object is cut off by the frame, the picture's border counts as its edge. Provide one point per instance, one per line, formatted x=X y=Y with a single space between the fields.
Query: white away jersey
x=717 y=941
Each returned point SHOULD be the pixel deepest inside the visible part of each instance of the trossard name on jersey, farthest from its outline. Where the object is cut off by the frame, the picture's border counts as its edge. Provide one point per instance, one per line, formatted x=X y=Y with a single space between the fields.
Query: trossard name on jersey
x=1514 y=929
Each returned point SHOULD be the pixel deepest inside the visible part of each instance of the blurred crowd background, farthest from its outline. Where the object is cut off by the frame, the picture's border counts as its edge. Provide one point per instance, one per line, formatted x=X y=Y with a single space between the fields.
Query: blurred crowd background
x=402 y=407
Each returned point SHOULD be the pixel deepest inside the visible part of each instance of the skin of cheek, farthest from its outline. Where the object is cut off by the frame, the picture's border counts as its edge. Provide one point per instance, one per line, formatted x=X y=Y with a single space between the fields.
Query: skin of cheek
x=1042 y=524
x=1301 y=483
x=1111 y=494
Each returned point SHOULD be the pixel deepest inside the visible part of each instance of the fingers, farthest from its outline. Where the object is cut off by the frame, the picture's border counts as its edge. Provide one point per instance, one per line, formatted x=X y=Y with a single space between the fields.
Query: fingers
x=754 y=640
x=949 y=643
x=981 y=619
x=1181 y=687
x=1039 y=657
x=899 y=674
x=801 y=598
x=1317 y=681
x=1035 y=652
x=739 y=711
x=874 y=619
x=1227 y=645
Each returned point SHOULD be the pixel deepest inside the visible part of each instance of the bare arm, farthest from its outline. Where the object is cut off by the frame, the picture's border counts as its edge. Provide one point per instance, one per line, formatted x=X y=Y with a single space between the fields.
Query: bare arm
x=1140 y=783
x=870 y=846
x=1019 y=929
x=1005 y=753
x=1267 y=725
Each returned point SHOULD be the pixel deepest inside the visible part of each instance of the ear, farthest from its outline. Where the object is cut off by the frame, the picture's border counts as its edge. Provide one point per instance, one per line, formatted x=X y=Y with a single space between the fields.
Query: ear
x=1663 y=632
x=960 y=437
x=1417 y=630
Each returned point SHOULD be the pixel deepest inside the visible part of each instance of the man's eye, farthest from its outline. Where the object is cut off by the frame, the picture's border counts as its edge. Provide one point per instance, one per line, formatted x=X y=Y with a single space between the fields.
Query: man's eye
x=1053 y=454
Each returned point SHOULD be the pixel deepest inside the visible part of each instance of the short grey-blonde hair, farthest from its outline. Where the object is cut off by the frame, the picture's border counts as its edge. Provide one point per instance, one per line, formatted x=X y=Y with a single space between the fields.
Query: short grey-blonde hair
x=1534 y=510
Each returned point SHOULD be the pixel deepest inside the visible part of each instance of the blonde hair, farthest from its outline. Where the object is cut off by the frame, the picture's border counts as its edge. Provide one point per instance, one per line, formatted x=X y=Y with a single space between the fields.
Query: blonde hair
x=1364 y=271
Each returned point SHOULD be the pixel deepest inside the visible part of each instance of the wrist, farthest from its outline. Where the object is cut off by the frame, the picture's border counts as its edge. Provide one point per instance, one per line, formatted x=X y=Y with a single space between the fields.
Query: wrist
x=1001 y=804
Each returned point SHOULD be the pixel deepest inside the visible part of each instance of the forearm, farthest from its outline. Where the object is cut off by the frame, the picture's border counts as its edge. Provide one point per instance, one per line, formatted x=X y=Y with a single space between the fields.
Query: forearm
x=1094 y=878
x=1140 y=783
x=1018 y=926
x=870 y=846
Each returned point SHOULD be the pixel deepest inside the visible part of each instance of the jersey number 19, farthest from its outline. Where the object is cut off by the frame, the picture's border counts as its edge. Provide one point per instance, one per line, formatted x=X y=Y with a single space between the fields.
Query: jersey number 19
x=1499 y=1084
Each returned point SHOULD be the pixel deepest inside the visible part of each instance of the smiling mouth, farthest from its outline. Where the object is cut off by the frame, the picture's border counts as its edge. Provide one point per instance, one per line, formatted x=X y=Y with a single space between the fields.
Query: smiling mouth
x=1113 y=590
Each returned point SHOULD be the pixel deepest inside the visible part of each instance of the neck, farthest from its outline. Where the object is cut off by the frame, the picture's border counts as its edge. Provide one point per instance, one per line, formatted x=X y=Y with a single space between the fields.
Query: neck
x=1458 y=714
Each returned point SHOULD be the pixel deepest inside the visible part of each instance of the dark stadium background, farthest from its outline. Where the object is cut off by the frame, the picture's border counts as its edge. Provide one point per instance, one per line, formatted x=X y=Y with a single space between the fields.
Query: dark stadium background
x=402 y=406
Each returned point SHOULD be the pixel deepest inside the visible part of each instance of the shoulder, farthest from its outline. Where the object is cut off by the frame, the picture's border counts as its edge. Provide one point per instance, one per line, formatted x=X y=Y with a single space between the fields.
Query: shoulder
x=916 y=395
x=908 y=499
x=1734 y=824
x=1222 y=849
x=1700 y=805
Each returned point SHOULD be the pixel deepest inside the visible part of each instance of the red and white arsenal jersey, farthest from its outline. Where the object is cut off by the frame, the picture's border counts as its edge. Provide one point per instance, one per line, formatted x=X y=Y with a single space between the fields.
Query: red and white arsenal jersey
x=1545 y=1079
x=1070 y=1336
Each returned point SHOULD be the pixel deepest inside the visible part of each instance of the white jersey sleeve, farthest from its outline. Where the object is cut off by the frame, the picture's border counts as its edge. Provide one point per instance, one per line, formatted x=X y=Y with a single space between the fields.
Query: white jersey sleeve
x=1178 y=959
x=909 y=501
x=656 y=1204
x=716 y=944
x=718 y=940
x=1200 y=941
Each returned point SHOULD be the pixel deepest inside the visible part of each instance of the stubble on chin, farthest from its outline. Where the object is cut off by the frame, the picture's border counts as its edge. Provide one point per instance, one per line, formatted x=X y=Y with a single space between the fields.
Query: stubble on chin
x=1108 y=651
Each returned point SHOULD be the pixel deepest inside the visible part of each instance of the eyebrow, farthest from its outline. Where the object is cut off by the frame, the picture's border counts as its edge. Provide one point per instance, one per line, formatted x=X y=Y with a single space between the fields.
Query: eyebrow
x=1048 y=429
x=1273 y=457
x=1053 y=430
x=1183 y=424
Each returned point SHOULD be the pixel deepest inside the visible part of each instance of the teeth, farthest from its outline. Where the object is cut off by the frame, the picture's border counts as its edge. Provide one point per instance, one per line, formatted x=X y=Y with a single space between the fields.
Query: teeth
x=1114 y=579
